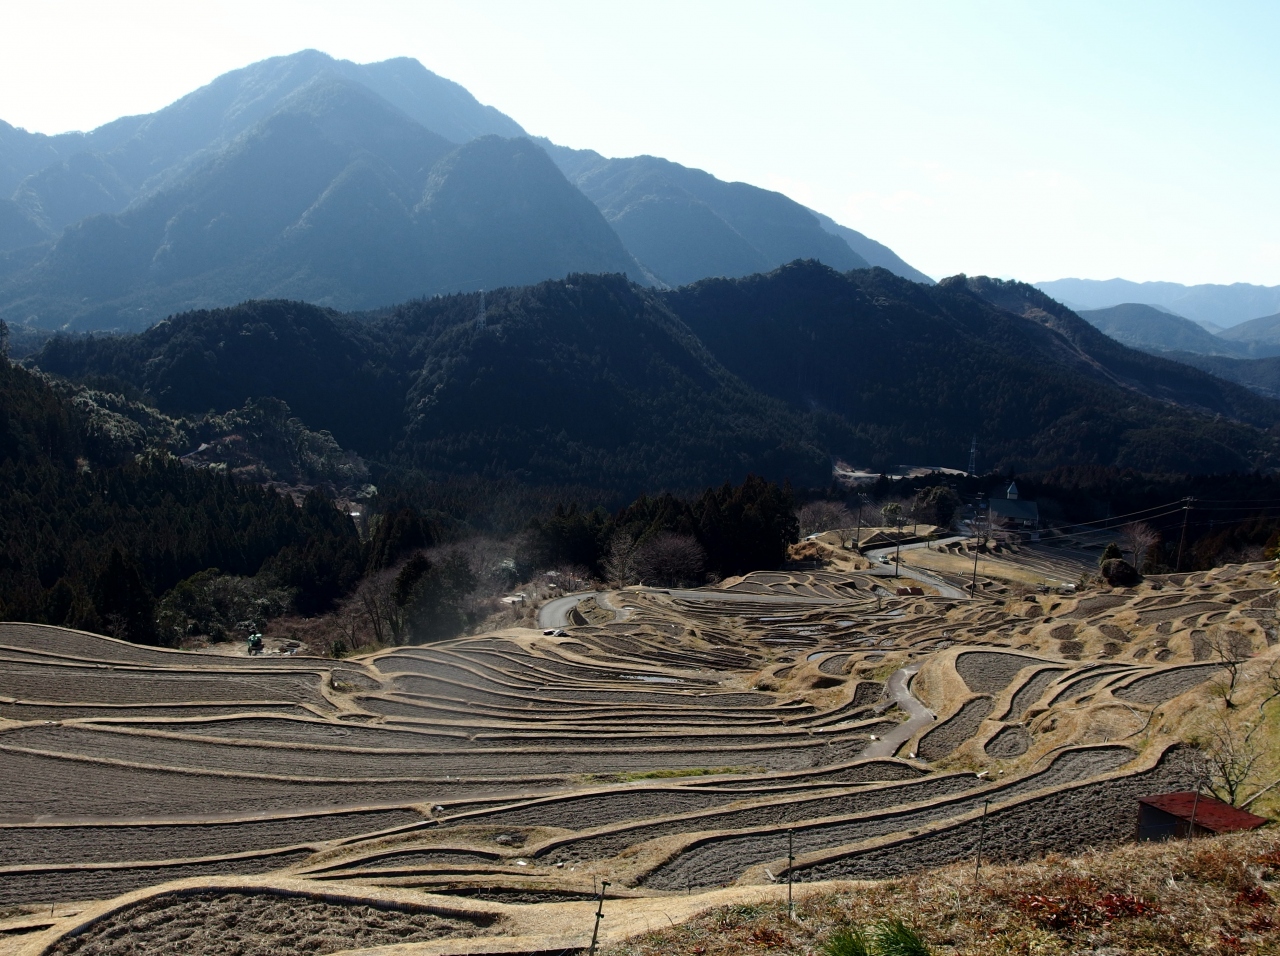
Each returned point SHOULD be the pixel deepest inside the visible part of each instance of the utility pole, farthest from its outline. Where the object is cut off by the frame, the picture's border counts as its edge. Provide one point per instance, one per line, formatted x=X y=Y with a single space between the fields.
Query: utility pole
x=791 y=858
x=982 y=832
x=1182 y=541
x=863 y=501
x=595 y=933
x=973 y=589
x=1195 y=804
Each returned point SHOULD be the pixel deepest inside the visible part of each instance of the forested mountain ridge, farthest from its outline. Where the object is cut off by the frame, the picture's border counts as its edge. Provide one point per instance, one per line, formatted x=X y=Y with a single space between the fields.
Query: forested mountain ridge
x=1153 y=376
x=313 y=178
x=919 y=369
x=1256 y=334
x=587 y=381
x=875 y=253
x=328 y=367
x=597 y=382
x=1261 y=375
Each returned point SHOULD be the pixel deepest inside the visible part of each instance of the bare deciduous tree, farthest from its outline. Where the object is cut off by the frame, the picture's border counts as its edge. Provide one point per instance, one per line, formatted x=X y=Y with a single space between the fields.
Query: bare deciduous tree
x=619 y=563
x=388 y=619
x=1230 y=754
x=1138 y=537
x=1230 y=649
x=819 y=516
x=669 y=560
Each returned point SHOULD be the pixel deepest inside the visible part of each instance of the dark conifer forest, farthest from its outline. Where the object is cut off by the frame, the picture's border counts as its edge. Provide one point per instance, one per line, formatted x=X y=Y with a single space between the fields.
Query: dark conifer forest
x=90 y=543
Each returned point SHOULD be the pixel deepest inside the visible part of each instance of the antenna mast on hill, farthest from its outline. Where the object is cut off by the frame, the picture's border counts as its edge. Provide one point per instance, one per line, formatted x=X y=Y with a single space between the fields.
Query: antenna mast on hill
x=481 y=316
x=973 y=455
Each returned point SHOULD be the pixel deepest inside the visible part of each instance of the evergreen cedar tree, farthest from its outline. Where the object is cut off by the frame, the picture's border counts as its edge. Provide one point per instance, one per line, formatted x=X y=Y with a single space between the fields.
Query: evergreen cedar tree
x=431 y=595
x=741 y=528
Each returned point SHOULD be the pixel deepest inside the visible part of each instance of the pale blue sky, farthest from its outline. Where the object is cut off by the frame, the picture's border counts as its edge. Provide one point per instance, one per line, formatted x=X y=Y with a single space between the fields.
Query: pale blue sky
x=1033 y=140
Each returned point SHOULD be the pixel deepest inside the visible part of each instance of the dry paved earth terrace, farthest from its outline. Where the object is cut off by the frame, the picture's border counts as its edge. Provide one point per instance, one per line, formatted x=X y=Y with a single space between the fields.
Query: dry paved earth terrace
x=447 y=796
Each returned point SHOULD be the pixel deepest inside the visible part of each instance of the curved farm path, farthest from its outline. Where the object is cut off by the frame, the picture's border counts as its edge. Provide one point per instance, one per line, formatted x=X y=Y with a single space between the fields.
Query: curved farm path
x=918 y=574
x=555 y=613
x=898 y=690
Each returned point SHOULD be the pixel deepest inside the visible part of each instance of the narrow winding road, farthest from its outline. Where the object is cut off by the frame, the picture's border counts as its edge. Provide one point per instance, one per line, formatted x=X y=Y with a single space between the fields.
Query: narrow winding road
x=556 y=613
x=917 y=574
x=918 y=715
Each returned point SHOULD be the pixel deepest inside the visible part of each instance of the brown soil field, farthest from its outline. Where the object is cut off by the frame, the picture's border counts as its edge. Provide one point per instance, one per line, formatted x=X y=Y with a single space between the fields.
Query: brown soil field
x=67 y=684
x=720 y=860
x=1058 y=821
x=240 y=924
x=955 y=730
x=987 y=672
x=1031 y=691
x=1009 y=742
x=1158 y=688
x=56 y=885
x=46 y=845
x=41 y=786
x=139 y=713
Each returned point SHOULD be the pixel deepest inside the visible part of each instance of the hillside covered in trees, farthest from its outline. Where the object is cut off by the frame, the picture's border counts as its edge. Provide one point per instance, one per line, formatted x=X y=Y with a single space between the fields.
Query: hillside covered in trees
x=103 y=528
x=90 y=539
x=595 y=382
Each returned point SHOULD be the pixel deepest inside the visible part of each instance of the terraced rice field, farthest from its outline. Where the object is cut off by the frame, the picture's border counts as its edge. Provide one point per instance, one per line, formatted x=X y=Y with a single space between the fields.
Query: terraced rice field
x=678 y=749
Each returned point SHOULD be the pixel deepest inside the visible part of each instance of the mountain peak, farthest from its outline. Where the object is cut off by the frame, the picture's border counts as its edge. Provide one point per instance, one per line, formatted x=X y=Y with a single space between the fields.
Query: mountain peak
x=440 y=105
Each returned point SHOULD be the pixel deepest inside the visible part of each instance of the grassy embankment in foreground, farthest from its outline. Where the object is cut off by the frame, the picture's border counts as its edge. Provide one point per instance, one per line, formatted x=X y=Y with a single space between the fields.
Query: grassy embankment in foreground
x=1205 y=896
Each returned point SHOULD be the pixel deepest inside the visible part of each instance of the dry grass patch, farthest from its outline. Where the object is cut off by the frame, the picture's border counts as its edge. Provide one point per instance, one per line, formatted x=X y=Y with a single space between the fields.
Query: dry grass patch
x=1209 y=896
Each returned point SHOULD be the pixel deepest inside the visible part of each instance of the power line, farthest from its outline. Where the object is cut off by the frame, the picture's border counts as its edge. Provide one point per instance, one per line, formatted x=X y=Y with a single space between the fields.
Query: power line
x=1109 y=523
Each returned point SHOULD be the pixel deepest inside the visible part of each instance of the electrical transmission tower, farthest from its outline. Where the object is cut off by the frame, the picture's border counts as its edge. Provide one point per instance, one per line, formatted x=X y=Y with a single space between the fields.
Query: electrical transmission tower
x=973 y=455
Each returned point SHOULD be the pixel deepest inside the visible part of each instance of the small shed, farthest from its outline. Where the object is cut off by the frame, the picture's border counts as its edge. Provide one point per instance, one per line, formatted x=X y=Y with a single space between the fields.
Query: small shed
x=1187 y=813
x=1010 y=513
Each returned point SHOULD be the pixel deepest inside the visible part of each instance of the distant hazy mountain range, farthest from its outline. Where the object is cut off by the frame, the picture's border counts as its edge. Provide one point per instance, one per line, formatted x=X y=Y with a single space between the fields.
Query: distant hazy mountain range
x=355 y=186
x=1216 y=307
x=1153 y=329
x=1247 y=353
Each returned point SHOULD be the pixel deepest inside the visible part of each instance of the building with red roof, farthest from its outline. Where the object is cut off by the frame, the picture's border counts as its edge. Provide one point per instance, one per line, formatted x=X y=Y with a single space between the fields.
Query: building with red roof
x=1188 y=813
